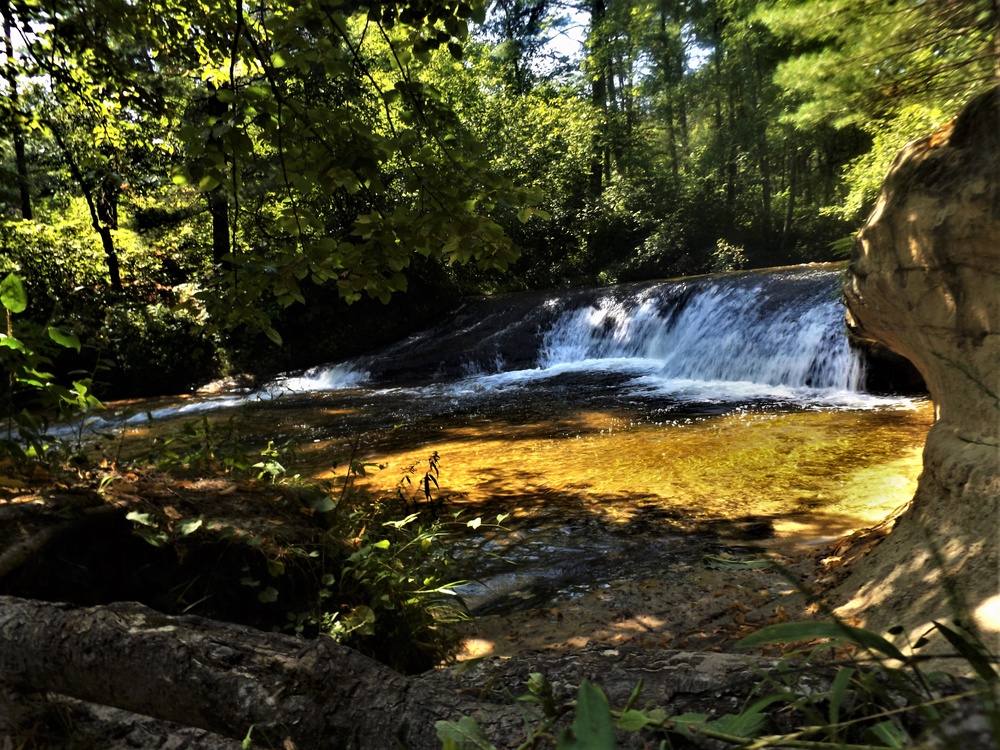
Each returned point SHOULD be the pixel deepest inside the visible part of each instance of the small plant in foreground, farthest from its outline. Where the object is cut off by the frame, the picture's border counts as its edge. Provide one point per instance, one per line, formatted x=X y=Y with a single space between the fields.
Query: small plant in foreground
x=880 y=698
x=202 y=445
x=30 y=396
x=326 y=561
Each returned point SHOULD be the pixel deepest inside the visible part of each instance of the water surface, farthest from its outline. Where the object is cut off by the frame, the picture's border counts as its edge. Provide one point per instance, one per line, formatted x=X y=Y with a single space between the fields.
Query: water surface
x=613 y=426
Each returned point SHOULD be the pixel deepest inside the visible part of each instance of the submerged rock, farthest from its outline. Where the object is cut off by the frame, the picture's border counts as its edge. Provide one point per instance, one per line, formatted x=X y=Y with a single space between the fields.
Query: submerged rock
x=924 y=280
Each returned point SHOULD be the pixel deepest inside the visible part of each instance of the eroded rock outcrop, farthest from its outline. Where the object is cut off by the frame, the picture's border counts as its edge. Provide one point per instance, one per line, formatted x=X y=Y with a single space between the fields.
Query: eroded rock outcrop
x=924 y=279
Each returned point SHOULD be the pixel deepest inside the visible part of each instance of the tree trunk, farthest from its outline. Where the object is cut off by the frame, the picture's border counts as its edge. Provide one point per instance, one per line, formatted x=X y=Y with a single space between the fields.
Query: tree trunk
x=671 y=137
x=223 y=678
x=668 y=91
x=599 y=98
x=215 y=676
x=218 y=207
x=102 y=203
x=793 y=172
x=105 y=204
x=20 y=160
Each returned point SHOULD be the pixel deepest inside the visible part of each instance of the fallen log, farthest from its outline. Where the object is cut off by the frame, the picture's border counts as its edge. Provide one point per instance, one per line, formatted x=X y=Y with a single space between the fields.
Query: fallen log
x=225 y=678
x=212 y=675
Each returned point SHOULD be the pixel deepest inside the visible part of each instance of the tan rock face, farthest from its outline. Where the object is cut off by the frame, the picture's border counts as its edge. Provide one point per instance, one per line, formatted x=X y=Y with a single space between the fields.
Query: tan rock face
x=925 y=275
x=925 y=280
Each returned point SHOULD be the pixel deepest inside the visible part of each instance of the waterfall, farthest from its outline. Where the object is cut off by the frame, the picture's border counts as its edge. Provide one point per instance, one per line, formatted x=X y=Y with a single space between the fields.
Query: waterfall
x=755 y=336
x=747 y=334
x=771 y=329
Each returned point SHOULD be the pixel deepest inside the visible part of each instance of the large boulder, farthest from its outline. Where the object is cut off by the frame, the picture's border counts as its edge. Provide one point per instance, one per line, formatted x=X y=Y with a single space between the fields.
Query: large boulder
x=924 y=280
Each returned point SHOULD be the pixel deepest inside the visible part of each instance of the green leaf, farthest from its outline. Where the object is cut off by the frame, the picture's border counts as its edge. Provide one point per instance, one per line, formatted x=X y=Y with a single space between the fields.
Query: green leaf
x=12 y=294
x=146 y=519
x=322 y=504
x=463 y=735
x=889 y=734
x=969 y=650
x=837 y=691
x=68 y=340
x=633 y=721
x=745 y=724
x=208 y=182
x=634 y=695
x=273 y=335
x=188 y=526
x=403 y=521
x=11 y=343
x=592 y=727
x=155 y=538
x=268 y=595
x=683 y=722
x=275 y=568
x=789 y=632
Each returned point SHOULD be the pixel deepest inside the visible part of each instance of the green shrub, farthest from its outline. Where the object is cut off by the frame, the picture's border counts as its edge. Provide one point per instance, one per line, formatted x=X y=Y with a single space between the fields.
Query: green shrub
x=157 y=350
x=30 y=396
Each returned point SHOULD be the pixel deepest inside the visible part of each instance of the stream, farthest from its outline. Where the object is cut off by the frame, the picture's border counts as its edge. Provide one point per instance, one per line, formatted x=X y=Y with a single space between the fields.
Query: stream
x=621 y=431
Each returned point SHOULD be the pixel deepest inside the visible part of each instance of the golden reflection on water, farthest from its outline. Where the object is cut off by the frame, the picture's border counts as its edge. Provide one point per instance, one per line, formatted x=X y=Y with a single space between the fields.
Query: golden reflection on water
x=818 y=474
x=815 y=474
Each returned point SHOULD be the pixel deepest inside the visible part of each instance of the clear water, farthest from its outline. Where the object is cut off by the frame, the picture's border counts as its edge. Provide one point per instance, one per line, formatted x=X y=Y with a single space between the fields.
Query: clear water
x=698 y=403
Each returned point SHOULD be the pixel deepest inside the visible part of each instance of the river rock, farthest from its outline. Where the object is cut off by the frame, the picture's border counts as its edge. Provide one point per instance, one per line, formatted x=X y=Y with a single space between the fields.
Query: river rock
x=924 y=280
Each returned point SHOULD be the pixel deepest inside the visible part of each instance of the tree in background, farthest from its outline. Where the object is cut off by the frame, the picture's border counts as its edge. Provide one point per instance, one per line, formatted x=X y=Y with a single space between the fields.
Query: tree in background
x=891 y=69
x=324 y=153
x=242 y=158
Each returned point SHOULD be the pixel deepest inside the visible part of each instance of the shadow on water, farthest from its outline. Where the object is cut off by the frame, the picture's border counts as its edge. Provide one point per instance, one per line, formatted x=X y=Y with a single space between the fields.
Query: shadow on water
x=622 y=431
x=599 y=484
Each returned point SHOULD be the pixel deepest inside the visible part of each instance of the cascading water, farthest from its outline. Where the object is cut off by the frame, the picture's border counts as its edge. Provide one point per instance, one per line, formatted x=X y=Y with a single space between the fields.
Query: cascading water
x=591 y=414
x=728 y=338
x=759 y=334
x=766 y=329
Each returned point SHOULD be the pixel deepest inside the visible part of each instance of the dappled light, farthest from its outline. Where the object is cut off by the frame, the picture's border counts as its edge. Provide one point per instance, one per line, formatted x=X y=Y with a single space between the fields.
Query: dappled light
x=608 y=513
x=826 y=472
x=340 y=341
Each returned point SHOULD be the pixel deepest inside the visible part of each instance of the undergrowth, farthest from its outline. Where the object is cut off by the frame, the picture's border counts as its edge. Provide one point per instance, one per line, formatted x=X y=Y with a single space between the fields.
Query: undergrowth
x=847 y=688
x=375 y=573
x=273 y=550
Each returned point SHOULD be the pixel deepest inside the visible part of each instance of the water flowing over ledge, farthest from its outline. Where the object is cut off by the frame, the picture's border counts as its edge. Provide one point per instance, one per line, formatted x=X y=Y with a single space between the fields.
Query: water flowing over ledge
x=777 y=334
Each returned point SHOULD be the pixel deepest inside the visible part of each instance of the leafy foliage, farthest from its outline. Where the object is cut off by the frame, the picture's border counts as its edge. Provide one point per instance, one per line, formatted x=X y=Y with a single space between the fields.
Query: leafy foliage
x=31 y=395
x=894 y=70
x=358 y=573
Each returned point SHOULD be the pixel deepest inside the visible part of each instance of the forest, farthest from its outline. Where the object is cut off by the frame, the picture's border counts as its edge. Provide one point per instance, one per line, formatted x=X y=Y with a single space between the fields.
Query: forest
x=198 y=191
x=185 y=189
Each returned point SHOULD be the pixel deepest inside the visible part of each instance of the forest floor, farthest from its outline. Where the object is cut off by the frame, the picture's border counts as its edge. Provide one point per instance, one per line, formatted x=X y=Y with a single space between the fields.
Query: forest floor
x=708 y=606
x=64 y=537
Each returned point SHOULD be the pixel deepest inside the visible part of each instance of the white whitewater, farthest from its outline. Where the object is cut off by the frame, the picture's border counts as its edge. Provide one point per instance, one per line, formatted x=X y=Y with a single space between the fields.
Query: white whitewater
x=727 y=333
x=776 y=334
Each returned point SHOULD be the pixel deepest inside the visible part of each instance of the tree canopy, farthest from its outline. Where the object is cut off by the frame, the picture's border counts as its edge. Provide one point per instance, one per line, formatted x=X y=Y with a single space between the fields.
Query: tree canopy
x=226 y=161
